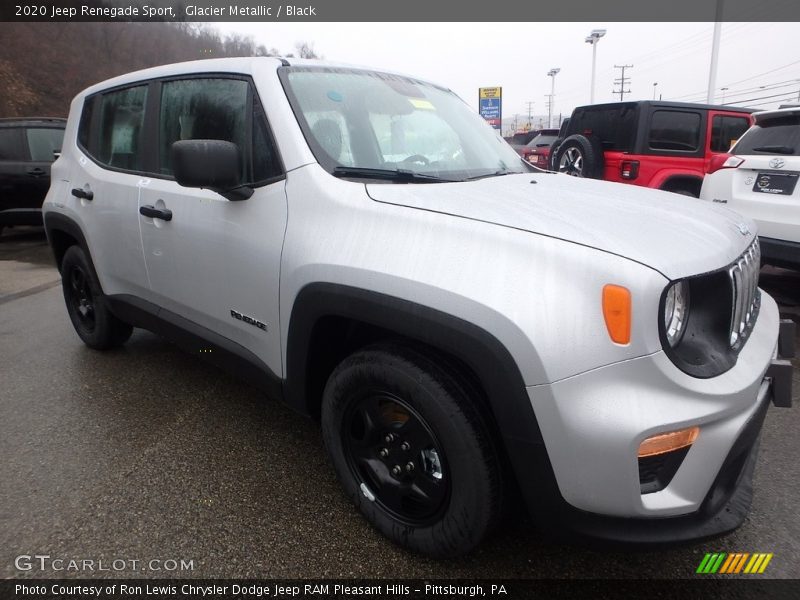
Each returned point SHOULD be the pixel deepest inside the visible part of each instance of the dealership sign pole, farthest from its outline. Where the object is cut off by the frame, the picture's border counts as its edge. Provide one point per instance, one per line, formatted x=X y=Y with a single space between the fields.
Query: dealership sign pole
x=490 y=105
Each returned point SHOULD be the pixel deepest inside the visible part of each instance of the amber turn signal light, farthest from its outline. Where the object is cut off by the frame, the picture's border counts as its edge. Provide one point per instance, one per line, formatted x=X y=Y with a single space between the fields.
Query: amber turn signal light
x=668 y=442
x=617 y=312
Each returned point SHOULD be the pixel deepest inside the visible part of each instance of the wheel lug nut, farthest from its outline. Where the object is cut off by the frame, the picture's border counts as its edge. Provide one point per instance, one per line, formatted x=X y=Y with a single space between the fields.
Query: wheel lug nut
x=396 y=470
x=405 y=446
x=389 y=438
x=409 y=466
x=384 y=452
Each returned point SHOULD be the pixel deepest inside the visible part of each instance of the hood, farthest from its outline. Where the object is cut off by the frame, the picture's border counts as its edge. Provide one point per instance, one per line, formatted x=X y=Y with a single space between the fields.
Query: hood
x=675 y=235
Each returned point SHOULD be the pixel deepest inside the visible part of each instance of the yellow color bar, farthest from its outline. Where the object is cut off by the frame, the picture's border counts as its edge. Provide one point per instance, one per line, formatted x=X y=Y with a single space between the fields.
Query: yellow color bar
x=765 y=563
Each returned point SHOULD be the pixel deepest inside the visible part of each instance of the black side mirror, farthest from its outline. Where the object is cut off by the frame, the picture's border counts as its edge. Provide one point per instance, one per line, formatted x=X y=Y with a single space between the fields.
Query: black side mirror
x=210 y=164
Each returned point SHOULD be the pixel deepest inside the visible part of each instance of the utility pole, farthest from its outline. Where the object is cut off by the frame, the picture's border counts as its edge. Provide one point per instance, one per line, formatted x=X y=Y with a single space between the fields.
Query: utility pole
x=552 y=74
x=712 y=72
x=592 y=39
x=621 y=81
x=530 y=106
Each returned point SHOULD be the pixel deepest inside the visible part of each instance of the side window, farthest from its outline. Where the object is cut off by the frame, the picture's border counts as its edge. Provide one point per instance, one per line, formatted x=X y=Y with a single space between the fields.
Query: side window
x=203 y=109
x=675 y=130
x=726 y=130
x=12 y=146
x=42 y=142
x=120 y=133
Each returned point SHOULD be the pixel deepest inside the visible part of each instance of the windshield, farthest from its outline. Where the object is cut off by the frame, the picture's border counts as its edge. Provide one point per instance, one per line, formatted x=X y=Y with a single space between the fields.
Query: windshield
x=375 y=122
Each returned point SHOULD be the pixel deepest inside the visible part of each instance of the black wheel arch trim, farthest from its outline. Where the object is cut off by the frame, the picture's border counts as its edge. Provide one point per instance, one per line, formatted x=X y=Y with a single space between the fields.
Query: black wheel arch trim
x=57 y=222
x=478 y=349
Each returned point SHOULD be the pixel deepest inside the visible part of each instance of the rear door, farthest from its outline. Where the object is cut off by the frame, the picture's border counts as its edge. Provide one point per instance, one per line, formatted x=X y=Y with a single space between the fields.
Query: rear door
x=109 y=170
x=724 y=130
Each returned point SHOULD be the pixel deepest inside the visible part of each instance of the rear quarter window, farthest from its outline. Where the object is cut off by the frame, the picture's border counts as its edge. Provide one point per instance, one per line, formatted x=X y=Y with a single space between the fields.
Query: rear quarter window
x=615 y=126
x=675 y=130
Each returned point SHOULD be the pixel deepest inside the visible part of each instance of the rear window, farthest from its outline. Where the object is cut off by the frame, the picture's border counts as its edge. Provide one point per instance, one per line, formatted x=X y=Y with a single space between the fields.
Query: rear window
x=775 y=136
x=675 y=130
x=614 y=125
x=541 y=141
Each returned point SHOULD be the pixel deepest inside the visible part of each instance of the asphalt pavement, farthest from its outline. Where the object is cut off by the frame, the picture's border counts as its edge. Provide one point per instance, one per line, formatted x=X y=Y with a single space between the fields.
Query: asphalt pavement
x=148 y=454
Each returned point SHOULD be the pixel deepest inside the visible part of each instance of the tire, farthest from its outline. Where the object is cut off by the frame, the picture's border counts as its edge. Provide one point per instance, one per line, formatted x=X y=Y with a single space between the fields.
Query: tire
x=396 y=400
x=86 y=305
x=580 y=156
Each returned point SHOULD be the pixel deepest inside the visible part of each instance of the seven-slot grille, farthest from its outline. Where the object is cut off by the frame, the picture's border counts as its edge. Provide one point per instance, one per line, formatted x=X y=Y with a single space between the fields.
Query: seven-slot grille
x=744 y=283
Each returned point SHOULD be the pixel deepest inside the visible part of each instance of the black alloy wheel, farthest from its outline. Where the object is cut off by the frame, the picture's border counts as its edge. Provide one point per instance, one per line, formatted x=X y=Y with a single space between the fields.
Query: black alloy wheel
x=80 y=299
x=394 y=451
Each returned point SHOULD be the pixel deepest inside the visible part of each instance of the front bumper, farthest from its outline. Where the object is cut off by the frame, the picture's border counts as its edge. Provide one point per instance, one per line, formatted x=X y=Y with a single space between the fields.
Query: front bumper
x=593 y=423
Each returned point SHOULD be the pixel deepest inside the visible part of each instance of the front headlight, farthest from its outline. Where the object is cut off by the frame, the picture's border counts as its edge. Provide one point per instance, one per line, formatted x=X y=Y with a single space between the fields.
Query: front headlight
x=676 y=311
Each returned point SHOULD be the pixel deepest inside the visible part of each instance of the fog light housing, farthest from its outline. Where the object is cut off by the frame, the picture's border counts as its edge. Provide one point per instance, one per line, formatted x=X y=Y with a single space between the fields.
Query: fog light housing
x=661 y=455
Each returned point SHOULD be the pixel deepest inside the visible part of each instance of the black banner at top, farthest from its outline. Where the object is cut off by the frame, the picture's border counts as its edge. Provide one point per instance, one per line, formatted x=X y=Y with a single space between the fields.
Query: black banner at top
x=407 y=10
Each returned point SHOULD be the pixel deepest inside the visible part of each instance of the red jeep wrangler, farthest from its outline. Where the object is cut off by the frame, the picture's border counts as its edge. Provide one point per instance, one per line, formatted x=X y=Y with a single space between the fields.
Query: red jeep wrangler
x=664 y=145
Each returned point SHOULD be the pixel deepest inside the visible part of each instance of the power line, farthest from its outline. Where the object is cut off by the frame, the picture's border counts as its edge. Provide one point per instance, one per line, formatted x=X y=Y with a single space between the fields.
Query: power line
x=621 y=81
x=762 y=98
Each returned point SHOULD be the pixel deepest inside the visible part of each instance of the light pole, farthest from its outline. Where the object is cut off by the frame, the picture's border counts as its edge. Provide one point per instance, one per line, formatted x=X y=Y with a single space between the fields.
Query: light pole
x=723 y=93
x=592 y=39
x=655 y=85
x=552 y=74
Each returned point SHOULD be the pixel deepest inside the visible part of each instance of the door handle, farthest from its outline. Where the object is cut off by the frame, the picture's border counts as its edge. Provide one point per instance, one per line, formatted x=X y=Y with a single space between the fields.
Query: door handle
x=85 y=194
x=155 y=213
x=37 y=172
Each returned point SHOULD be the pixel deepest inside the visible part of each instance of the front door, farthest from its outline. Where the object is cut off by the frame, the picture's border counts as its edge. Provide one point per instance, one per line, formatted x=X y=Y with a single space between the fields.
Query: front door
x=210 y=259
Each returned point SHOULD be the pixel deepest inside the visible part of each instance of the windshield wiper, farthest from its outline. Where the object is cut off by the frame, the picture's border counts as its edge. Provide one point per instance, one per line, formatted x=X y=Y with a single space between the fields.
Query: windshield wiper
x=499 y=173
x=775 y=149
x=388 y=174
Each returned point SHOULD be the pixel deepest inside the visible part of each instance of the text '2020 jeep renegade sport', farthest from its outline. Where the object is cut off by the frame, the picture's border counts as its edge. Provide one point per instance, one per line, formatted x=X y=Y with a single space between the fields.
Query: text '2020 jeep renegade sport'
x=362 y=245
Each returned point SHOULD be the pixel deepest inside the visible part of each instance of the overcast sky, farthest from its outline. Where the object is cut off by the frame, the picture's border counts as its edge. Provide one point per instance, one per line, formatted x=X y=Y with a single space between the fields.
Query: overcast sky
x=517 y=56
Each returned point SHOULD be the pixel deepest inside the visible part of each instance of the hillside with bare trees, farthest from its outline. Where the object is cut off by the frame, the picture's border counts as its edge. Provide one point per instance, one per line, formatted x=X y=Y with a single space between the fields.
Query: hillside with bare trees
x=43 y=65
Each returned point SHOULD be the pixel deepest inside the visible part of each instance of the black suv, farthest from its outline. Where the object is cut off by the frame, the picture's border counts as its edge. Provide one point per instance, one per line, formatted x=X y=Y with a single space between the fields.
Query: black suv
x=662 y=145
x=28 y=146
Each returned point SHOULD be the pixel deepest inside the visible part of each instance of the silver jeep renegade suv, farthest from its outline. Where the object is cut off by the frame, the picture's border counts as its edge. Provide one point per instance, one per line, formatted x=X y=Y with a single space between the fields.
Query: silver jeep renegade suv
x=362 y=245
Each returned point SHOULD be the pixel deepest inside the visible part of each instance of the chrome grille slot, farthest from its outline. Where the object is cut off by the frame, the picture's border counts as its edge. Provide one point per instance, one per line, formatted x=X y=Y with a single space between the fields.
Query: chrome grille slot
x=743 y=275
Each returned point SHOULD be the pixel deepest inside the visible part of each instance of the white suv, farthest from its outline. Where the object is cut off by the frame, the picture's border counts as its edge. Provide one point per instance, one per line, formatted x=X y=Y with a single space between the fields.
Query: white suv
x=758 y=179
x=363 y=246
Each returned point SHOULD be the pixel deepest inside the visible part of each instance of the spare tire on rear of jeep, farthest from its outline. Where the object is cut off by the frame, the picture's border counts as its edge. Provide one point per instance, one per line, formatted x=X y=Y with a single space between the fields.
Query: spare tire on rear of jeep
x=580 y=156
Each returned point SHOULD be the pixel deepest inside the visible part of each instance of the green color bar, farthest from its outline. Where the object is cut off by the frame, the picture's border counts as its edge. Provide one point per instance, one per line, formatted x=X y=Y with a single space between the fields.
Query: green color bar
x=718 y=563
x=701 y=568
